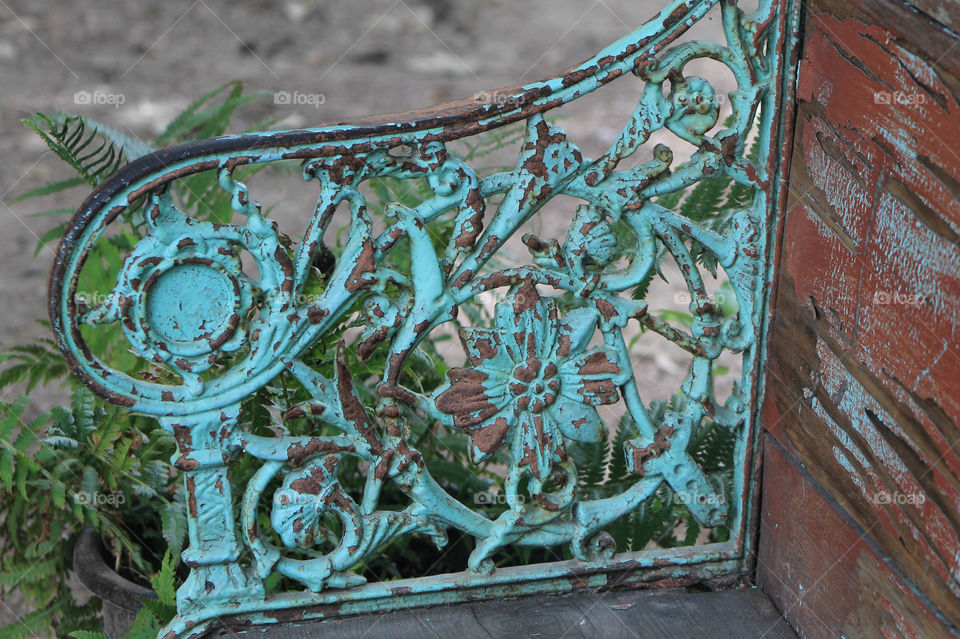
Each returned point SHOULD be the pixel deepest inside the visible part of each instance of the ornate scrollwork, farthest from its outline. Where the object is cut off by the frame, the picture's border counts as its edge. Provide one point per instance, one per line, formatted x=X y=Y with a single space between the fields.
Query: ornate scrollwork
x=534 y=376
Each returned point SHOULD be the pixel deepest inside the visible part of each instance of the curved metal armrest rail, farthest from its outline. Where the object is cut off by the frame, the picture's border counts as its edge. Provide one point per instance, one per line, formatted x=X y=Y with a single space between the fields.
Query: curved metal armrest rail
x=535 y=376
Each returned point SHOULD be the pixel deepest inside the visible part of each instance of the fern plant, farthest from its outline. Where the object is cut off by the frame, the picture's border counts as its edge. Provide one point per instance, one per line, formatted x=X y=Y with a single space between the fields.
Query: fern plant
x=74 y=467
x=662 y=520
x=88 y=152
x=91 y=464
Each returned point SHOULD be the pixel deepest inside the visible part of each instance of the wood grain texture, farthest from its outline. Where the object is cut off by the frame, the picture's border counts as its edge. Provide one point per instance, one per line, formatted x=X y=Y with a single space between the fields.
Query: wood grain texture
x=863 y=380
x=921 y=33
x=664 y=614
x=821 y=570
x=946 y=12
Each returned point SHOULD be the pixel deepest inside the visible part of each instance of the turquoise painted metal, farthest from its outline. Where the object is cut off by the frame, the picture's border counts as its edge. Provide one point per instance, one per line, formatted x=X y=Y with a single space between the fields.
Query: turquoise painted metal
x=533 y=378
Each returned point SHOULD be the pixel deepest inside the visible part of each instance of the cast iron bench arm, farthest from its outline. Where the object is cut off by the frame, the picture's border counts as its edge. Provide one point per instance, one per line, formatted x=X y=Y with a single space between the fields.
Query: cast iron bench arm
x=534 y=378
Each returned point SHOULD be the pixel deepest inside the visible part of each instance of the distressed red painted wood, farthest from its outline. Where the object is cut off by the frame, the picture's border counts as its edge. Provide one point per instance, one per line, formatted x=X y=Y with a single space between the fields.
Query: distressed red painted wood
x=863 y=385
x=824 y=574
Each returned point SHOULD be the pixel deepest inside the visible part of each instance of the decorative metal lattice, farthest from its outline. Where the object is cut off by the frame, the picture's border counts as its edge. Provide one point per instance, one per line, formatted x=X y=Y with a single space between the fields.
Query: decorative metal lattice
x=552 y=352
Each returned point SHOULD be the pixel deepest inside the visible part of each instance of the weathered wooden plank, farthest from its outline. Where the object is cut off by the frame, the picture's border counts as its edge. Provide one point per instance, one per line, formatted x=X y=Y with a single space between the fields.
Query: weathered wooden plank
x=946 y=12
x=864 y=370
x=820 y=569
x=818 y=408
x=661 y=614
x=926 y=35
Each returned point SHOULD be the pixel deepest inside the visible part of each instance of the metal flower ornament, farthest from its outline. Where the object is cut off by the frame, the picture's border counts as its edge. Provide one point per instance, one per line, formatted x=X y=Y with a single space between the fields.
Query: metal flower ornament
x=533 y=382
x=554 y=351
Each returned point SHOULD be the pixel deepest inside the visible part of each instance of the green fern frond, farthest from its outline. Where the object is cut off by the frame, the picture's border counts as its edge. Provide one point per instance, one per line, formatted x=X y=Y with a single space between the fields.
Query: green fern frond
x=590 y=458
x=204 y=117
x=174 y=522
x=653 y=520
x=164 y=582
x=704 y=200
x=28 y=572
x=35 y=364
x=11 y=413
x=713 y=448
x=92 y=155
x=51 y=188
x=29 y=625
x=641 y=290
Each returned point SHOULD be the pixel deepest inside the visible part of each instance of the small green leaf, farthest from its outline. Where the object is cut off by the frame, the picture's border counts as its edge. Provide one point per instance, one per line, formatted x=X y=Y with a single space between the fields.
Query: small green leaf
x=677 y=316
x=163 y=581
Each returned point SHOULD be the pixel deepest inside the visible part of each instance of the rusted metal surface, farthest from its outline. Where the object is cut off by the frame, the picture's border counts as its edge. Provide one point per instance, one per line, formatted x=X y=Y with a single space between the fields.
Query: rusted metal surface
x=535 y=374
x=863 y=361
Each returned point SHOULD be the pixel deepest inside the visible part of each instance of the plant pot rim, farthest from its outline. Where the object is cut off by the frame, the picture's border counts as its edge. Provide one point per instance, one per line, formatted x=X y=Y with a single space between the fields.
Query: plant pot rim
x=100 y=579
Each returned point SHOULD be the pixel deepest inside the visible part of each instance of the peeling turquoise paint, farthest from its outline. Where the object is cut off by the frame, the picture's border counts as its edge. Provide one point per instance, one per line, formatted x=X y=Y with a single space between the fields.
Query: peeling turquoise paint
x=532 y=381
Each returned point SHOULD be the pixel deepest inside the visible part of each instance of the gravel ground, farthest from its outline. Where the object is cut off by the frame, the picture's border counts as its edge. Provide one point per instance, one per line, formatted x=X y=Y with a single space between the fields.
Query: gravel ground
x=361 y=56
